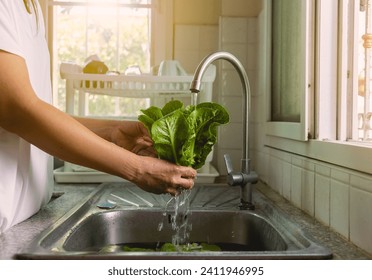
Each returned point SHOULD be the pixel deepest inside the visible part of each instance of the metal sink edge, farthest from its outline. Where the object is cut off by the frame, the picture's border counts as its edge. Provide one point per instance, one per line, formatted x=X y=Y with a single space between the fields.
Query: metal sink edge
x=50 y=242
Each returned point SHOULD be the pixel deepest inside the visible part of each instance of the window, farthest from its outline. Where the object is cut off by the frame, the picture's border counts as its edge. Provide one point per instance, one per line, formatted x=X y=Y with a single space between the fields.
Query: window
x=363 y=47
x=340 y=100
x=119 y=32
x=354 y=43
x=291 y=70
x=337 y=107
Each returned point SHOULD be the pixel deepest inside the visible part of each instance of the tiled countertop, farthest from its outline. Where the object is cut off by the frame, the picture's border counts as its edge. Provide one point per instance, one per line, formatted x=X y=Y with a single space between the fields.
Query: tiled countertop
x=18 y=237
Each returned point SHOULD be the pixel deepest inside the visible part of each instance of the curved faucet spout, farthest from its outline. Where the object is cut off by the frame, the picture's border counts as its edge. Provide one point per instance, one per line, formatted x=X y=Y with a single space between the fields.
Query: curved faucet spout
x=246 y=177
x=196 y=84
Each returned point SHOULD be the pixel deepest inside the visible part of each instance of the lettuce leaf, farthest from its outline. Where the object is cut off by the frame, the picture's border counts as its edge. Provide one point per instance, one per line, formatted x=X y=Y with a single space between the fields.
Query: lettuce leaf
x=184 y=136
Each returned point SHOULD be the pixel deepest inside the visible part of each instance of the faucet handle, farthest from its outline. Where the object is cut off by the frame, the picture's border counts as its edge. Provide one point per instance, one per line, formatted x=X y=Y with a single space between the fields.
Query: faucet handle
x=238 y=178
x=229 y=166
x=233 y=178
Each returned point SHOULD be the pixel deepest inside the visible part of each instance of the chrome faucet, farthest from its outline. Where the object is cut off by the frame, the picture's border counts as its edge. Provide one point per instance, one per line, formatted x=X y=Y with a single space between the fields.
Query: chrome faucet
x=246 y=177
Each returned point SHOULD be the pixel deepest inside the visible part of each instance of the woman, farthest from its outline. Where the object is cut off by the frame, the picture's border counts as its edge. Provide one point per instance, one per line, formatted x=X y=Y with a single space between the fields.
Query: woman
x=31 y=129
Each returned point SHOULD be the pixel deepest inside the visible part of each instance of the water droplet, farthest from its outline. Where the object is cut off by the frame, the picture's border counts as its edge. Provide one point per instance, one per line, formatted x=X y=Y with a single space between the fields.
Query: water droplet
x=160 y=226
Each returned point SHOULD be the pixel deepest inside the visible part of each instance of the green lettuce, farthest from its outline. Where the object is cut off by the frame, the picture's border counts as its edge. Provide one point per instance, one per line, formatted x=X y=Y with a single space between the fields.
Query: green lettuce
x=184 y=135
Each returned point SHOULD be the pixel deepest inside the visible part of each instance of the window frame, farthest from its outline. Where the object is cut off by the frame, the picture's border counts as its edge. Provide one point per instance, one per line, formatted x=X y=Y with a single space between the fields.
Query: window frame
x=332 y=114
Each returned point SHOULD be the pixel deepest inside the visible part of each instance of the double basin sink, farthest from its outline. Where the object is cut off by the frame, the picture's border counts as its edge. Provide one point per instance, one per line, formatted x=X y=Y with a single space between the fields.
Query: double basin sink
x=119 y=214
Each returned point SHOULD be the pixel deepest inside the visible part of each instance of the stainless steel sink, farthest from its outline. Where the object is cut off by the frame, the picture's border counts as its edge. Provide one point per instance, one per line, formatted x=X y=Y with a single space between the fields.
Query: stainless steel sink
x=264 y=233
x=227 y=229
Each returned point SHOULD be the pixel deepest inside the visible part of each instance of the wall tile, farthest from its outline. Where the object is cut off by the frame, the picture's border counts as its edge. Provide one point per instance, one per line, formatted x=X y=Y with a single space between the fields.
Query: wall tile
x=255 y=138
x=339 y=207
x=234 y=30
x=324 y=170
x=307 y=192
x=231 y=136
x=322 y=198
x=260 y=160
x=193 y=42
x=296 y=185
x=252 y=60
x=361 y=182
x=335 y=196
x=276 y=174
x=188 y=59
x=233 y=105
x=361 y=218
x=208 y=39
x=280 y=154
x=186 y=37
x=297 y=161
x=340 y=175
x=230 y=83
x=252 y=30
x=287 y=172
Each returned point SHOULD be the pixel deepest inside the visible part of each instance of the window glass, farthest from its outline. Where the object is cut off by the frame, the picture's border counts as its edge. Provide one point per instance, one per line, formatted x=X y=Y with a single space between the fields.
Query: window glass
x=118 y=32
x=364 y=68
x=287 y=54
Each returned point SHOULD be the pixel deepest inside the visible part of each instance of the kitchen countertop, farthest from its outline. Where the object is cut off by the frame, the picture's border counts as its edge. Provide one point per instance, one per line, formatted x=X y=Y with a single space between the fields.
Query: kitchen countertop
x=66 y=196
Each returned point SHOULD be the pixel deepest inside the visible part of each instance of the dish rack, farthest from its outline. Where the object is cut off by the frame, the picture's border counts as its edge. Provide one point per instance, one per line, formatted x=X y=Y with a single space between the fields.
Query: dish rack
x=159 y=90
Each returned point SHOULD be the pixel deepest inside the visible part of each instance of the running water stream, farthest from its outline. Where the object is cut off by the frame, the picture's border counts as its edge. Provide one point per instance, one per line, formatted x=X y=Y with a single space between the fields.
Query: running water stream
x=179 y=206
x=194 y=98
x=178 y=209
x=179 y=219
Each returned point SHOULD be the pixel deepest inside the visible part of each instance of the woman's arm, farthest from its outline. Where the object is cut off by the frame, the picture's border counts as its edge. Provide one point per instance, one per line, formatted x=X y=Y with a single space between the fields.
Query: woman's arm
x=130 y=135
x=43 y=125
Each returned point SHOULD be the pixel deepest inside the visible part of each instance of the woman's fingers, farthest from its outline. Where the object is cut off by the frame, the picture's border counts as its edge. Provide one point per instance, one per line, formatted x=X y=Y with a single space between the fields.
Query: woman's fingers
x=159 y=176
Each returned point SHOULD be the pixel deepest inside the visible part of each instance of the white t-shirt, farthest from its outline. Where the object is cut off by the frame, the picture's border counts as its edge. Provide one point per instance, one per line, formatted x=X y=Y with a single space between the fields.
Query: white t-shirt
x=26 y=172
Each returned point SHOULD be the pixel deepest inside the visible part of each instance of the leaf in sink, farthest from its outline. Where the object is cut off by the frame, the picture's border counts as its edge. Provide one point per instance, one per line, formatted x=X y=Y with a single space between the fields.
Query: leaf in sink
x=126 y=248
x=168 y=247
x=210 y=247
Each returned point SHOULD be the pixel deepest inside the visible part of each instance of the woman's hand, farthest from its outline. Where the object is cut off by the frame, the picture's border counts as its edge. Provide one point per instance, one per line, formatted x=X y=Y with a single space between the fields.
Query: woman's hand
x=140 y=165
x=134 y=137
x=156 y=176
x=159 y=176
x=130 y=135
